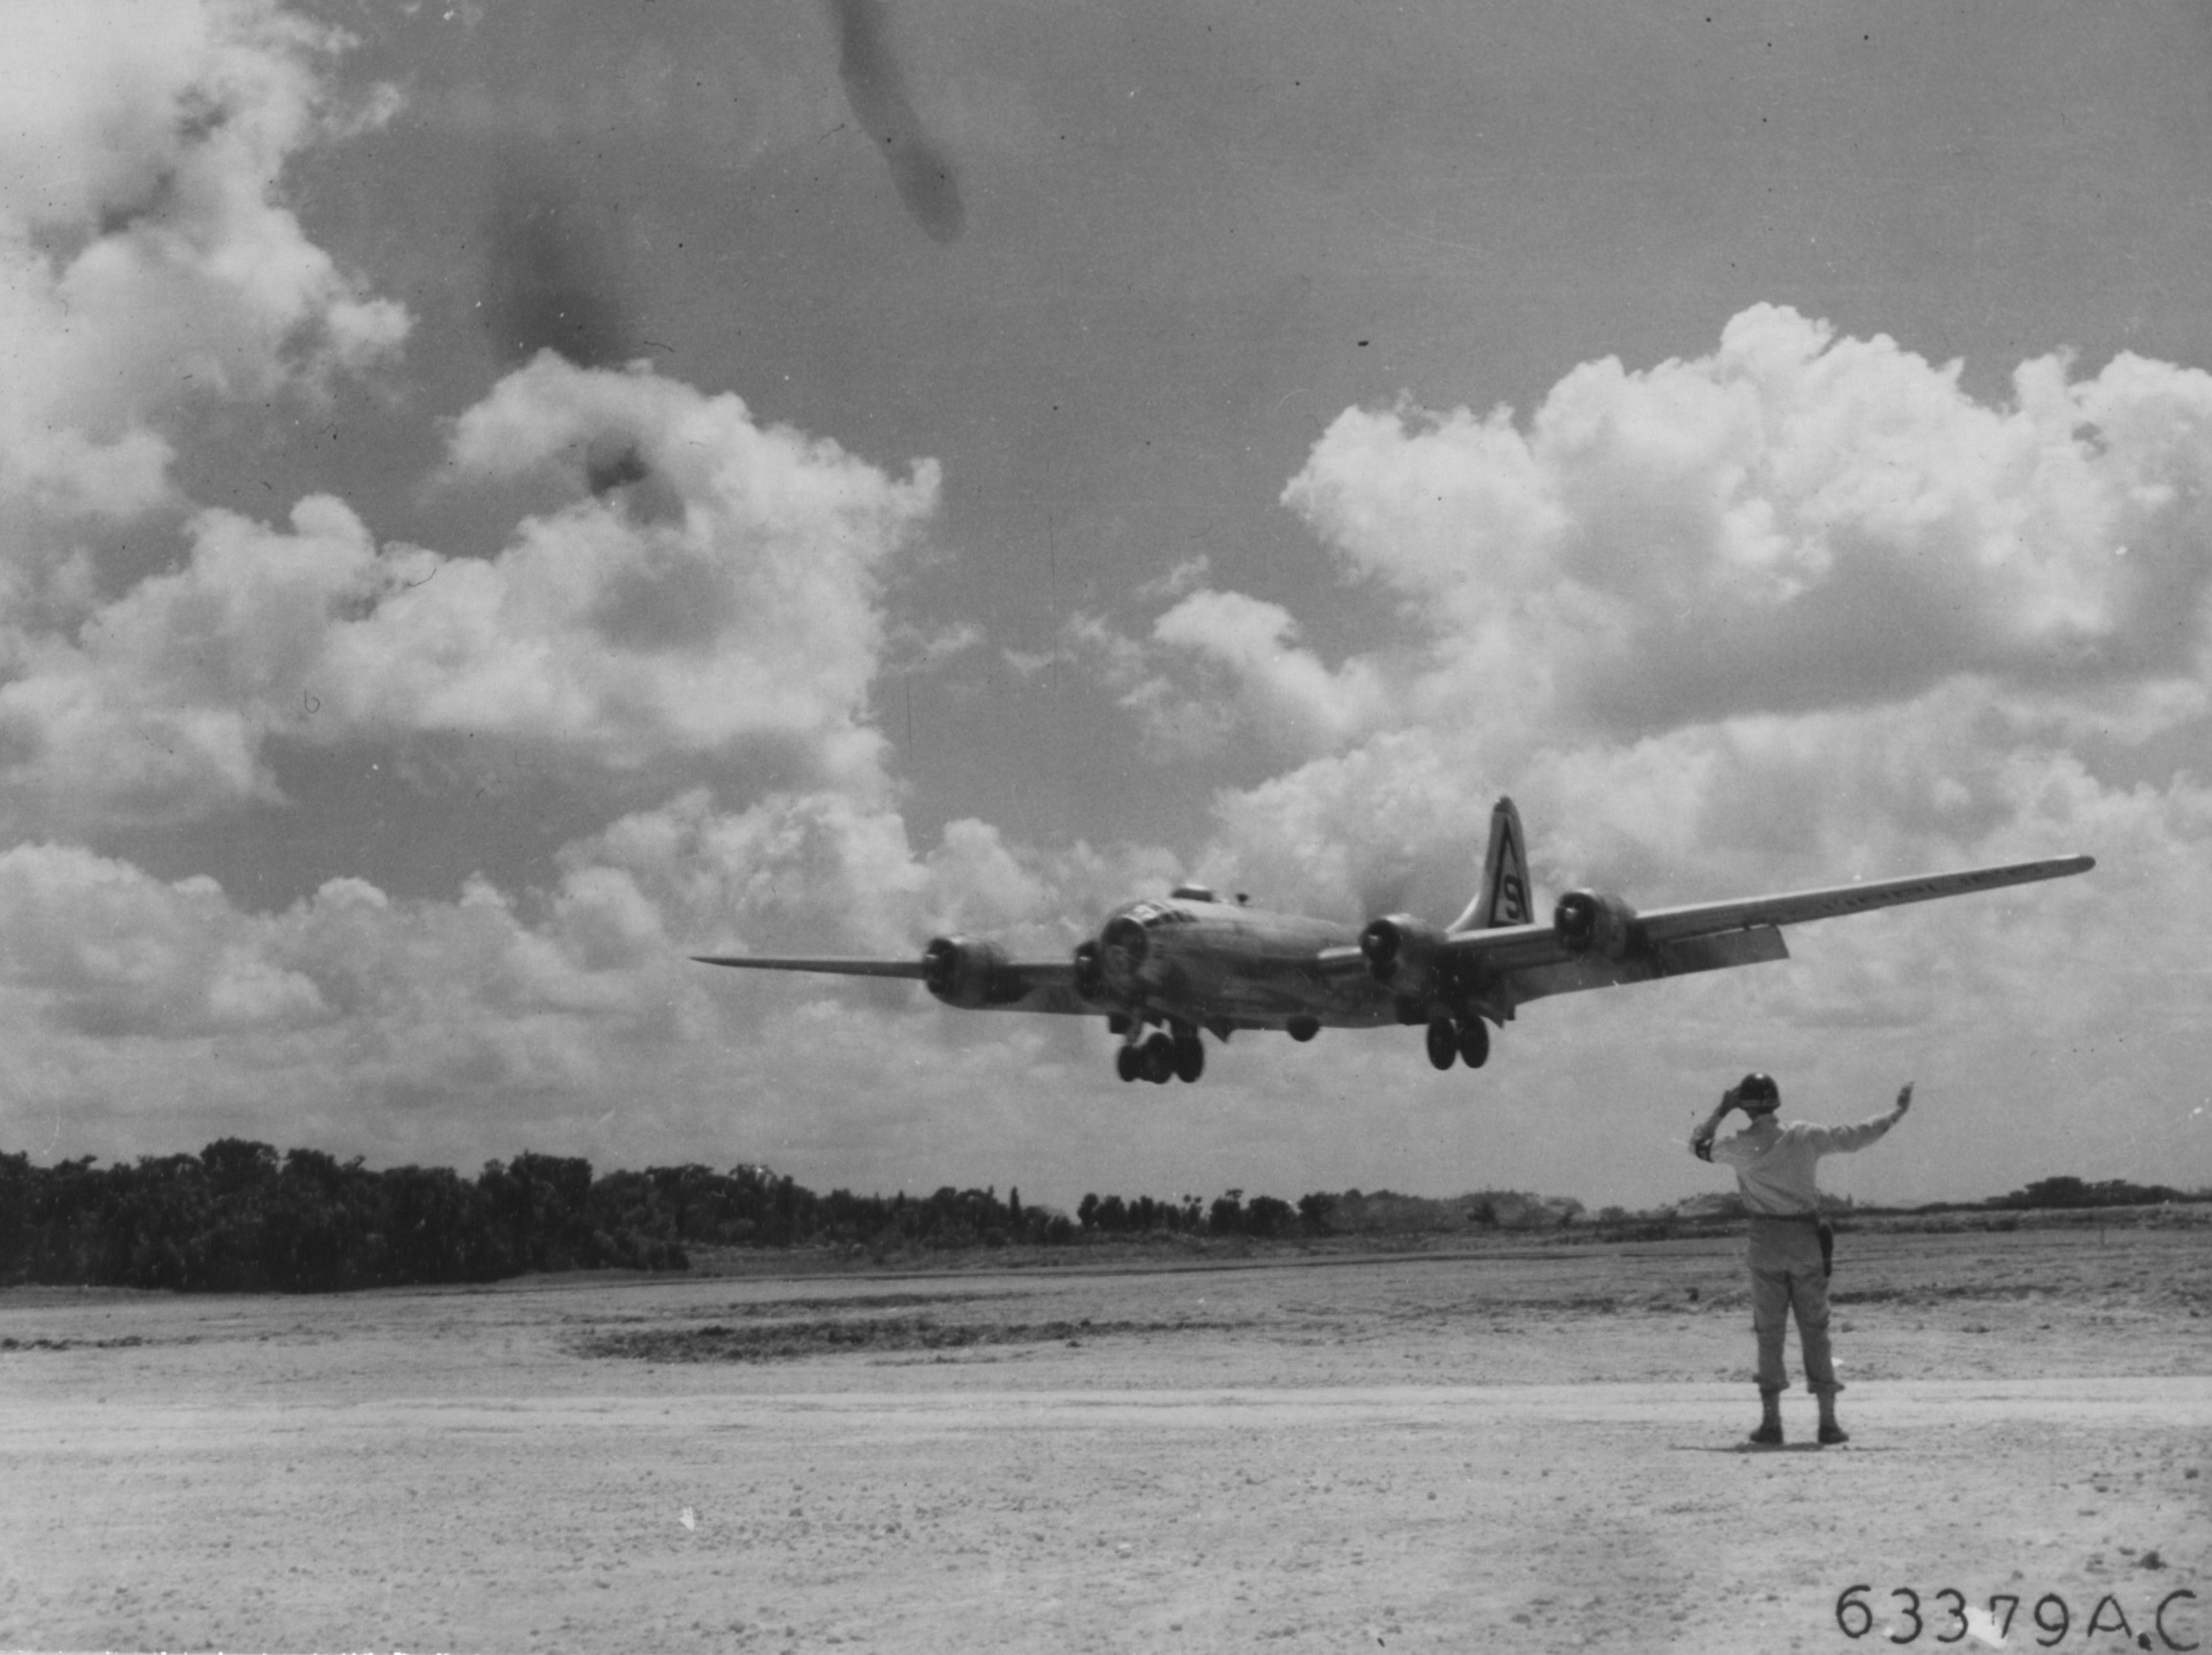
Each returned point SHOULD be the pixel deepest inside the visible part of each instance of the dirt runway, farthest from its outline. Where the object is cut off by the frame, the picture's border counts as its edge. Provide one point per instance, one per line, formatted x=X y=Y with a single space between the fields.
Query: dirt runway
x=1532 y=1449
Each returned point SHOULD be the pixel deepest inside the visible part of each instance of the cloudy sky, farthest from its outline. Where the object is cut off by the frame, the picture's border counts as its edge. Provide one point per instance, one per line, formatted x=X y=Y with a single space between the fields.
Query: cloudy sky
x=497 y=496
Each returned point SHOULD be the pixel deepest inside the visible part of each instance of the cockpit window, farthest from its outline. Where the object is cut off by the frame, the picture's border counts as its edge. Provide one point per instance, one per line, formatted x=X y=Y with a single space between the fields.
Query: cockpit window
x=1194 y=893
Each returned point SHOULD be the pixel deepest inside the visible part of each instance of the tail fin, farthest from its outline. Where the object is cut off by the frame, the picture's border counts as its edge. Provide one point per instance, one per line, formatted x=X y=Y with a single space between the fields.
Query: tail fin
x=1505 y=898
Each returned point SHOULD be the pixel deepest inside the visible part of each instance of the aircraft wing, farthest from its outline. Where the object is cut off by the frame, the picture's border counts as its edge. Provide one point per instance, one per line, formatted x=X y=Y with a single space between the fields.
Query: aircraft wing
x=1527 y=962
x=986 y=983
x=908 y=968
x=1665 y=925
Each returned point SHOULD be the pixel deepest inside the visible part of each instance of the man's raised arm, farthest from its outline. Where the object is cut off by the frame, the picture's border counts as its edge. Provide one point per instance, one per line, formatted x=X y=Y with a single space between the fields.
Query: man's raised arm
x=1842 y=1140
x=1701 y=1140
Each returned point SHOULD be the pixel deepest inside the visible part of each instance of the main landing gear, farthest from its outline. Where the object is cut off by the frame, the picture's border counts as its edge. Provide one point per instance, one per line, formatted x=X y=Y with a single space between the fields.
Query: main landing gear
x=1467 y=1041
x=1164 y=1057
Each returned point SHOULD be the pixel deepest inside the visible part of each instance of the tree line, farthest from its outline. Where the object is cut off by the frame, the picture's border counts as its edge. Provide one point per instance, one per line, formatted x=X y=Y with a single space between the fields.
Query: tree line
x=241 y=1217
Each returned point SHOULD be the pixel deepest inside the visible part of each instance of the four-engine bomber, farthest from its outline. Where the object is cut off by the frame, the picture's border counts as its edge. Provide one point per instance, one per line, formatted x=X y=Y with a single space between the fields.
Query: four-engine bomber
x=1162 y=970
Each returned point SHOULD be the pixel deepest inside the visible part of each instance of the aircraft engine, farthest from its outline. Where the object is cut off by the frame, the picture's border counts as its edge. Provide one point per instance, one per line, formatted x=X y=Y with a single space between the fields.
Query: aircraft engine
x=1587 y=922
x=1090 y=971
x=969 y=975
x=1401 y=954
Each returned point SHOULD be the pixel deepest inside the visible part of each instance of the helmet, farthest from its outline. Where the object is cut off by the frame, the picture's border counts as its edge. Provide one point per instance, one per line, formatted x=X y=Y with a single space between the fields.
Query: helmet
x=1757 y=1093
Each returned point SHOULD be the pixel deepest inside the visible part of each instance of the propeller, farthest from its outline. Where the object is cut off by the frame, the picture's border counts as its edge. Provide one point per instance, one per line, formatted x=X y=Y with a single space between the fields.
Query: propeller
x=940 y=965
x=1090 y=973
x=1380 y=942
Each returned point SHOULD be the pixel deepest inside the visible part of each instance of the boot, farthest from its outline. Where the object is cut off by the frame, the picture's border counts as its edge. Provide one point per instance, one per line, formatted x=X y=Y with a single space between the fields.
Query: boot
x=1769 y=1434
x=1830 y=1433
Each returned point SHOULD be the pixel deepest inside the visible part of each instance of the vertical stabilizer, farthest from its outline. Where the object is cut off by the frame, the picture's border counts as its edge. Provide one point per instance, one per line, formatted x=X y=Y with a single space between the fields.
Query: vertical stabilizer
x=1505 y=898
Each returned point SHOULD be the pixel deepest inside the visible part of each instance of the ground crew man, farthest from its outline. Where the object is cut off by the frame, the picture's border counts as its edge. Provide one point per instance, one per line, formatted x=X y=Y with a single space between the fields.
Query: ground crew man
x=1788 y=1244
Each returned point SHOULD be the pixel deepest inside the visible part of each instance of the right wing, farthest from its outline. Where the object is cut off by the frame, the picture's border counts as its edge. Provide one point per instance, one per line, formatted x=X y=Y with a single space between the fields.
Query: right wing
x=975 y=977
x=917 y=969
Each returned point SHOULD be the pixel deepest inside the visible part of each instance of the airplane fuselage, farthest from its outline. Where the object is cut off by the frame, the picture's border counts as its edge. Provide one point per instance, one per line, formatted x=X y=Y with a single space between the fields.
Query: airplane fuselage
x=1211 y=964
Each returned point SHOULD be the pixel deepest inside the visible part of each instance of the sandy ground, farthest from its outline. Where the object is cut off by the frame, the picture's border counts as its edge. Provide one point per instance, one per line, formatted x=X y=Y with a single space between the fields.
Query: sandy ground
x=1521 y=1448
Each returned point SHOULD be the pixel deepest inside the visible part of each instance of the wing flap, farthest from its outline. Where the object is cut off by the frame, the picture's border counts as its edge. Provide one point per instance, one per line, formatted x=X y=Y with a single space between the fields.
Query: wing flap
x=1505 y=948
x=1714 y=951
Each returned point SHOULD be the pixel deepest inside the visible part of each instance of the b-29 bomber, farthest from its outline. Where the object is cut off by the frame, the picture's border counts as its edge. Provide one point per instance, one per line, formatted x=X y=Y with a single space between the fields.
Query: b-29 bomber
x=1162 y=970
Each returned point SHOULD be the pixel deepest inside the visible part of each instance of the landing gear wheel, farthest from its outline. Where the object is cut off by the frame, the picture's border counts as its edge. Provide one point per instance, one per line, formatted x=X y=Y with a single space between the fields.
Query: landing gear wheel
x=1126 y=1063
x=1189 y=1055
x=1303 y=1028
x=1474 y=1042
x=1443 y=1042
x=1159 y=1059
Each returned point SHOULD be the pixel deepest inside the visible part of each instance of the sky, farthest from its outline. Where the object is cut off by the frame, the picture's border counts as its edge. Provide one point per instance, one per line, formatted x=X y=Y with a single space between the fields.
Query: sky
x=497 y=497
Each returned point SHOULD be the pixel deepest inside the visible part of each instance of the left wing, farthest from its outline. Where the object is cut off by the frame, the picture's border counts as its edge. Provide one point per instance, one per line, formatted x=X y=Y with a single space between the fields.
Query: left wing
x=1595 y=942
x=1702 y=919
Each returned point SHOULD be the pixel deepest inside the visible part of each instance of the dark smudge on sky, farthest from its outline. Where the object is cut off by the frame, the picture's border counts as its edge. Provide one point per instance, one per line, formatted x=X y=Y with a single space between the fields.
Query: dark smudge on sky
x=921 y=172
x=614 y=465
x=550 y=285
x=612 y=462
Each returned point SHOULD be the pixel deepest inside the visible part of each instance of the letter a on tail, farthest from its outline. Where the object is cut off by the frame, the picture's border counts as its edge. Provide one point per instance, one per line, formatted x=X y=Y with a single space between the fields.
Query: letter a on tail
x=1505 y=898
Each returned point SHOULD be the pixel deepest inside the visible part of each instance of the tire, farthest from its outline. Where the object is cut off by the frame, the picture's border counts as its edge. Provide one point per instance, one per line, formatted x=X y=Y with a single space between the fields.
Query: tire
x=1159 y=1059
x=1127 y=1063
x=1444 y=1043
x=1190 y=1057
x=1474 y=1042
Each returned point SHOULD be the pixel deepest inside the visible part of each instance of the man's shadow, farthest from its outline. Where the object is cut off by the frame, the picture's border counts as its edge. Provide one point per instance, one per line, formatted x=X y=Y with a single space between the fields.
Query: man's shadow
x=1773 y=1448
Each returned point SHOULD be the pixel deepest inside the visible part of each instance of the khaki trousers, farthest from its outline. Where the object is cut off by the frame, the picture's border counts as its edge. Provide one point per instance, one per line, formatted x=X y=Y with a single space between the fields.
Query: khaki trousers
x=1785 y=1256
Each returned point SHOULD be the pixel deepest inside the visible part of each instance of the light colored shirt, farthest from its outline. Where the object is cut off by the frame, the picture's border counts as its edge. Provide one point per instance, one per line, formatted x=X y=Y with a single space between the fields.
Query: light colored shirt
x=1774 y=1163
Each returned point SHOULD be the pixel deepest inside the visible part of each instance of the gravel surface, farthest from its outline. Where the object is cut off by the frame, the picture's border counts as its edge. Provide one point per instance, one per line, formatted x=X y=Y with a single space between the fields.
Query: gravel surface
x=1515 y=1448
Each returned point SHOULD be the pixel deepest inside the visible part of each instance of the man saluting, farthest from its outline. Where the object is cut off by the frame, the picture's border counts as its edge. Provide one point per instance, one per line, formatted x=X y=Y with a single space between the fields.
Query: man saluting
x=1788 y=1244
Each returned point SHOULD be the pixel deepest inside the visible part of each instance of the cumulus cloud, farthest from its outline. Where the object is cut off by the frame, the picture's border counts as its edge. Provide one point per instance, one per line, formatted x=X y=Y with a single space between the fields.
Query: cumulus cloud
x=1286 y=692
x=825 y=872
x=352 y=1006
x=749 y=610
x=145 y=257
x=1795 y=521
x=743 y=618
x=569 y=1015
x=1800 y=603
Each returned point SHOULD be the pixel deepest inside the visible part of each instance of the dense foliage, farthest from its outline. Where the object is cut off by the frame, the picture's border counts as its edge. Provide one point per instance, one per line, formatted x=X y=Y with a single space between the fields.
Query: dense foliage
x=2067 y=1191
x=239 y=1216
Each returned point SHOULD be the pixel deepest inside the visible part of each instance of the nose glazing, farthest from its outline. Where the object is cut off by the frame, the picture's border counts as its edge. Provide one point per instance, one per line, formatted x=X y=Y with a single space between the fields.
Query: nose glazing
x=1122 y=946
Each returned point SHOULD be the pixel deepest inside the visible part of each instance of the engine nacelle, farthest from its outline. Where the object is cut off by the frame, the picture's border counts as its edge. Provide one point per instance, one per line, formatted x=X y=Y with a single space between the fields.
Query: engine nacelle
x=969 y=975
x=1402 y=953
x=1090 y=971
x=1589 y=922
